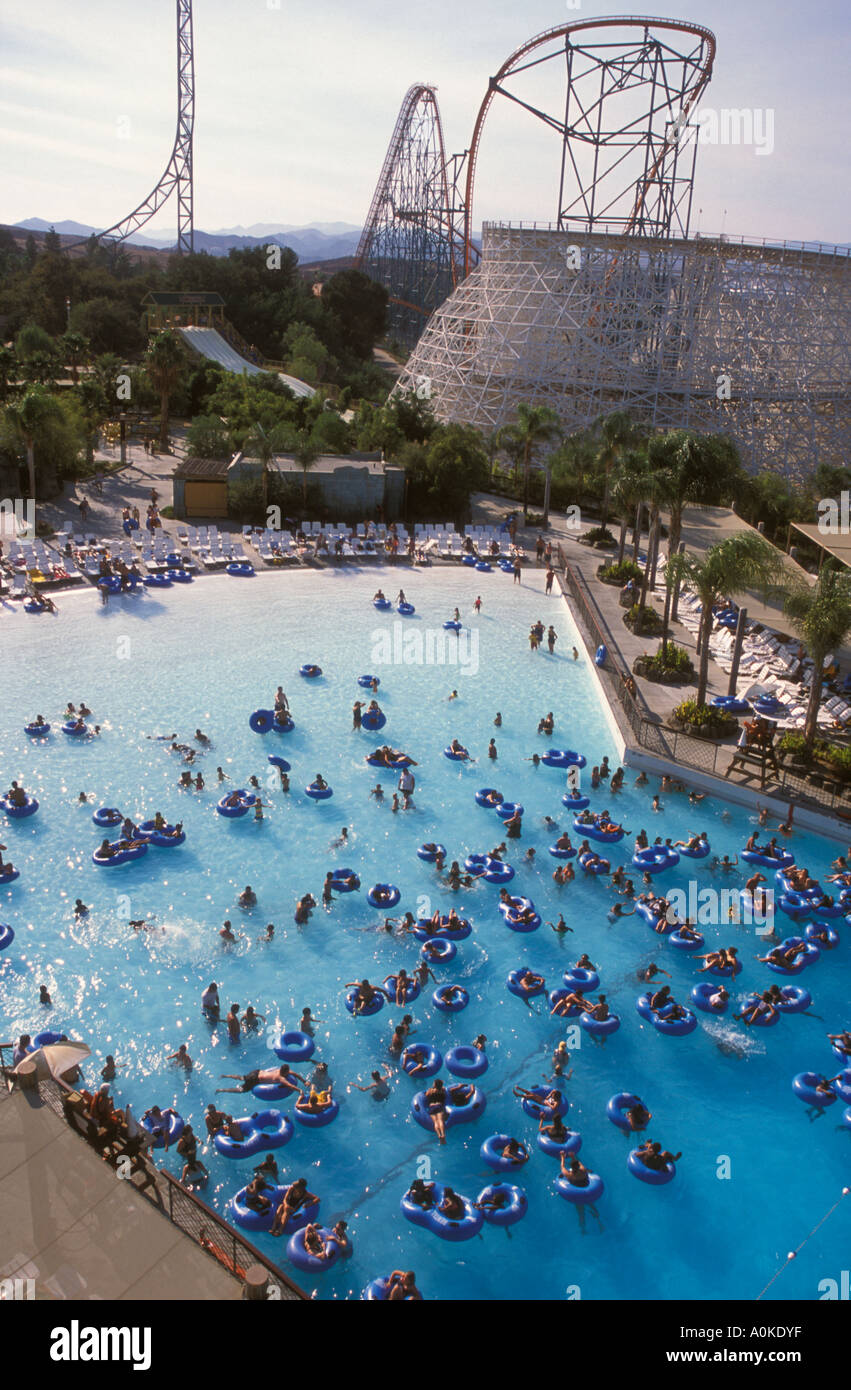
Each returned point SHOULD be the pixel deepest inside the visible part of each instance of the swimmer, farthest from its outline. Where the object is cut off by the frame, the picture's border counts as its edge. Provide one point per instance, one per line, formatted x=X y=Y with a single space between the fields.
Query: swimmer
x=210 y=1006
x=44 y=996
x=498 y=721
x=378 y=1084
x=247 y=898
x=453 y=695
x=80 y=909
x=251 y=1020
x=202 y=739
x=575 y=654
x=181 y=1057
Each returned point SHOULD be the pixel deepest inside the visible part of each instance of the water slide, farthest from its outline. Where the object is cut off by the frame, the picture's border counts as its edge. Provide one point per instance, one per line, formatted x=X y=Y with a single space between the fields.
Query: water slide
x=211 y=344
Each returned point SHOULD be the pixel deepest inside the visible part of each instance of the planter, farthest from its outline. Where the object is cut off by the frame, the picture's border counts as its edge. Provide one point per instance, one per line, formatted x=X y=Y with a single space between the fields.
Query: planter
x=643 y=666
x=649 y=626
x=712 y=732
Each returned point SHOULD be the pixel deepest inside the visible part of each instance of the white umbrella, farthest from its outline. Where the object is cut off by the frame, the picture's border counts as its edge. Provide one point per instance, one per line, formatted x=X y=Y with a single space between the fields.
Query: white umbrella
x=56 y=1059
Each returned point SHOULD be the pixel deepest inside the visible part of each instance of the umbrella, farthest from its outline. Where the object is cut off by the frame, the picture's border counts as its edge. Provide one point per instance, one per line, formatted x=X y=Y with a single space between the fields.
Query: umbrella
x=56 y=1059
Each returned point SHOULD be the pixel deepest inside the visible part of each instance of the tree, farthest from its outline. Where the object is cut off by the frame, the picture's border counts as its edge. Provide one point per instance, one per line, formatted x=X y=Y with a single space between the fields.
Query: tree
x=442 y=474
x=698 y=469
x=94 y=408
x=359 y=306
x=75 y=350
x=264 y=445
x=628 y=487
x=208 y=438
x=29 y=421
x=31 y=340
x=742 y=561
x=305 y=453
x=616 y=434
x=8 y=371
x=821 y=614
x=165 y=362
x=535 y=425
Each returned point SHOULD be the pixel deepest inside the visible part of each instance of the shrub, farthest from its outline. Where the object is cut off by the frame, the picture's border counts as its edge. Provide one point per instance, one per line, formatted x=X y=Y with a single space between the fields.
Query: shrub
x=620 y=573
x=642 y=621
x=675 y=659
x=600 y=535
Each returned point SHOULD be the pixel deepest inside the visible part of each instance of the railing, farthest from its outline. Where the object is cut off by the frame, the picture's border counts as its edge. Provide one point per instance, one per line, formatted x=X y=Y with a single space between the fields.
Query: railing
x=183 y=1208
x=823 y=248
x=684 y=749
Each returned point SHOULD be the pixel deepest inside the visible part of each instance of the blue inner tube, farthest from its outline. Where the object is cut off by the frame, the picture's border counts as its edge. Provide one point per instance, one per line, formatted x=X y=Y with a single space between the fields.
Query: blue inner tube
x=122 y=856
x=502 y=1203
x=175 y=1126
x=491 y=1154
x=310 y=672
x=240 y=568
x=261 y=720
x=466 y=1061
x=570 y=1144
x=731 y=704
x=383 y=895
x=262 y=1221
x=266 y=1129
x=536 y=1110
x=497 y=872
x=452 y=626
x=701 y=995
x=376 y=719
x=242 y=806
x=464 y=1228
x=7 y=935
x=450 y=999
x=107 y=816
x=795 y=905
x=300 y=1256
x=157 y=581
x=524 y=991
x=344 y=881
x=581 y=980
x=600 y=1028
x=594 y=864
x=519 y=924
x=29 y=808
x=506 y=809
x=429 y=852
x=37 y=730
x=593 y=1190
x=318 y=793
x=421 y=1059
x=179 y=576
x=655 y=858
x=283 y=725
x=46 y=1039
x=406 y=609
x=563 y=757
x=8 y=874
x=375 y=1005
x=654 y=1177
x=593 y=832
x=488 y=797
x=807 y=957
x=294 y=1046
x=459 y=932
x=483 y=567
x=455 y=1114
x=320 y=1118
x=412 y=990
x=556 y=997
x=617 y=1107
x=454 y=757
x=804 y=1085
x=562 y=853
x=700 y=850
x=762 y=1019
x=687 y=943
x=367 y=681
x=726 y=972
x=381 y=603
x=70 y=728
x=277 y=761
x=600 y=656
x=438 y=950
x=782 y=860
x=823 y=936
x=574 y=802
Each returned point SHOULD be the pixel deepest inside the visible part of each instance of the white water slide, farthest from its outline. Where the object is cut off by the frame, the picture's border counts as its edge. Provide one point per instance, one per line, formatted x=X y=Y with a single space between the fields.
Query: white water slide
x=211 y=344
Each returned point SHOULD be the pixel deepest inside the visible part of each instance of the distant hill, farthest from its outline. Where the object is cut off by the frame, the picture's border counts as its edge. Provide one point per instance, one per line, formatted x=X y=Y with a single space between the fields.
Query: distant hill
x=316 y=242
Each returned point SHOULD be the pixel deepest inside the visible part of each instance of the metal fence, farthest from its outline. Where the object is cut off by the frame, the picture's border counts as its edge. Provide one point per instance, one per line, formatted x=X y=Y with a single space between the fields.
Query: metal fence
x=183 y=1208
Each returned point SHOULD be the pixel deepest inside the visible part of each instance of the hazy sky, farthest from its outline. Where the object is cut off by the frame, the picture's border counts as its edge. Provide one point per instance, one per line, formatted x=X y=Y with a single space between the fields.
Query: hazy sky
x=296 y=101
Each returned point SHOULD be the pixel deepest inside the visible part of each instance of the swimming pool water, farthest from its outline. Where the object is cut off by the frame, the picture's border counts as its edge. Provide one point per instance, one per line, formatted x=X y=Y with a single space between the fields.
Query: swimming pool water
x=207 y=655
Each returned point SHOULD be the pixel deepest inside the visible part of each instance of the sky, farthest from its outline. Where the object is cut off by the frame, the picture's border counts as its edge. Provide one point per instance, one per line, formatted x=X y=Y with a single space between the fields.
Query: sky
x=296 y=101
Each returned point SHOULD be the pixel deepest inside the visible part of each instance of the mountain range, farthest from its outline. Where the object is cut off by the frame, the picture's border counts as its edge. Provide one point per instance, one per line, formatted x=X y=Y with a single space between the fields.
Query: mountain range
x=317 y=241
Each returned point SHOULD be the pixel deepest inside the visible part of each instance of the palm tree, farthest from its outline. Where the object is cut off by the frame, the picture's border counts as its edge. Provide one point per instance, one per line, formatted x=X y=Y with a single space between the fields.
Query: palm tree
x=28 y=419
x=617 y=433
x=305 y=453
x=742 y=561
x=92 y=401
x=821 y=614
x=699 y=468
x=75 y=349
x=165 y=363
x=628 y=491
x=535 y=425
x=264 y=445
